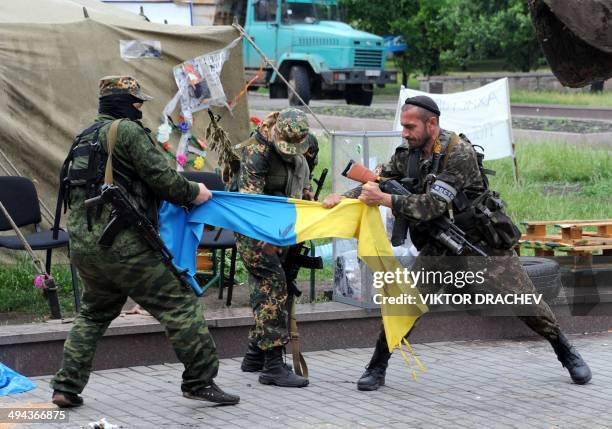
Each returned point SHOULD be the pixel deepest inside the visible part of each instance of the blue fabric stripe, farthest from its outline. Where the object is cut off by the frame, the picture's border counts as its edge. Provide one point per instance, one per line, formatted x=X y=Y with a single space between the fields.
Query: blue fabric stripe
x=271 y=219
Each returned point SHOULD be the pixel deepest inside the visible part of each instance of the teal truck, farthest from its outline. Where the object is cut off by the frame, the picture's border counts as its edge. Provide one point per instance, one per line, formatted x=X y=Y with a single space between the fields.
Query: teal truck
x=321 y=57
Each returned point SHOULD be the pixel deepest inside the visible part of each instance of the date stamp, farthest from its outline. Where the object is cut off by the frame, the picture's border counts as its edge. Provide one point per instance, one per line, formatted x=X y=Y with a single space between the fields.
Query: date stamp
x=32 y=415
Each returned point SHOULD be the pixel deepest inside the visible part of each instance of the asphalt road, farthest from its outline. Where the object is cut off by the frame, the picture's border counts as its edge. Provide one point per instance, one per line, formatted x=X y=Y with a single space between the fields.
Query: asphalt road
x=261 y=103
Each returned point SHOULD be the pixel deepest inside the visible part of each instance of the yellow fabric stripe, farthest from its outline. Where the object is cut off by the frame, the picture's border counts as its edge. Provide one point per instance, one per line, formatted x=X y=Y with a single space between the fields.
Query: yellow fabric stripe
x=354 y=219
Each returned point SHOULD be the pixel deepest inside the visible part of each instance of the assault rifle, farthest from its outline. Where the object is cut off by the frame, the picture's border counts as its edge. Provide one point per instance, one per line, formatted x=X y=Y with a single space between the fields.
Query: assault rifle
x=124 y=214
x=440 y=228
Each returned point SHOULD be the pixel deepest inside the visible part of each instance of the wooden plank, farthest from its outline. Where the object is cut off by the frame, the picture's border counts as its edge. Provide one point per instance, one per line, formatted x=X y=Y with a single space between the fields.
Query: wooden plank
x=586 y=240
x=564 y=222
x=536 y=231
x=604 y=230
x=585 y=248
x=571 y=233
x=544 y=252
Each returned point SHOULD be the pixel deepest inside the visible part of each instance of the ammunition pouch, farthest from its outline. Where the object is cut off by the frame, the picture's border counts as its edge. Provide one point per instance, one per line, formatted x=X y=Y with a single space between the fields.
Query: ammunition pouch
x=496 y=227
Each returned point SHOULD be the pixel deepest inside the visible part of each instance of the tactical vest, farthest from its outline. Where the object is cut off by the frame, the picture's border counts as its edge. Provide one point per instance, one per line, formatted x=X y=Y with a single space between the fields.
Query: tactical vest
x=84 y=168
x=284 y=179
x=479 y=213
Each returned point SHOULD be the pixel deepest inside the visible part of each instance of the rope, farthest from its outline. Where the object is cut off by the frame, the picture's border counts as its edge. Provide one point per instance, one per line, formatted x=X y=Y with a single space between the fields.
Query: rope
x=24 y=242
x=246 y=87
x=289 y=87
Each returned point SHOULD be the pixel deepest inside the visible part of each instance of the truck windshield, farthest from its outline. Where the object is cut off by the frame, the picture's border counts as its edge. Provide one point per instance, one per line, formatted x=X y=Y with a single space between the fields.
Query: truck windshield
x=327 y=11
x=309 y=12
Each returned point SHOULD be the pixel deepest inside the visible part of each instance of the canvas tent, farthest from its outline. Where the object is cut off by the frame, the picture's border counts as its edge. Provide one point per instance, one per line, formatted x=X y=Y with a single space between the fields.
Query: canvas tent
x=51 y=57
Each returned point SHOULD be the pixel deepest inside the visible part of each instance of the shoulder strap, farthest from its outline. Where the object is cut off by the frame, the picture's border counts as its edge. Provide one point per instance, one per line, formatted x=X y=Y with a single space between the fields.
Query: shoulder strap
x=111 y=140
x=446 y=148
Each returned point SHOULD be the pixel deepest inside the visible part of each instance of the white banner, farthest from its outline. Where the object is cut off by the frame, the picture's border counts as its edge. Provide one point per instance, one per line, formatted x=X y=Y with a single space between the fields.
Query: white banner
x=482 y=114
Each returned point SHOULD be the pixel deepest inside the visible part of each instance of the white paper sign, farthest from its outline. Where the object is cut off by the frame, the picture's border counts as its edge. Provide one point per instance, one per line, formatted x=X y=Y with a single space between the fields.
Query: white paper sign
x=482 y=114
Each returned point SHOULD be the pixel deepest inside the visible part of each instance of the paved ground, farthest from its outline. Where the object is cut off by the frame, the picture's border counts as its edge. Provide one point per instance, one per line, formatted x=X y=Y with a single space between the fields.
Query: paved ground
x=500 y=384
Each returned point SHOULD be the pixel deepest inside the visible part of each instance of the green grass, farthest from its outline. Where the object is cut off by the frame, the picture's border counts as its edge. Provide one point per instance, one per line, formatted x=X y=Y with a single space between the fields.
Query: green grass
x=18 y=293
x=603 y=99
x=545 y=170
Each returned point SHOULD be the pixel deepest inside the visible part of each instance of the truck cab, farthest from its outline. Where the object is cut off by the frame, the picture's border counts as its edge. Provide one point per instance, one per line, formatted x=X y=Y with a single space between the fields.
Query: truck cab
x=320 y=56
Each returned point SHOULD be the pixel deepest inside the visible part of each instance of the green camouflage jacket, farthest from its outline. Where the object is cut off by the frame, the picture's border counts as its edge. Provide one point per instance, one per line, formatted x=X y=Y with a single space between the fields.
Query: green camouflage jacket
x=458 y=172
x=153 y=179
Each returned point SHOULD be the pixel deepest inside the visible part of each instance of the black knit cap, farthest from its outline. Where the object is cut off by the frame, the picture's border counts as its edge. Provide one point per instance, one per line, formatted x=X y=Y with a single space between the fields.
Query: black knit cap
x=425 y=102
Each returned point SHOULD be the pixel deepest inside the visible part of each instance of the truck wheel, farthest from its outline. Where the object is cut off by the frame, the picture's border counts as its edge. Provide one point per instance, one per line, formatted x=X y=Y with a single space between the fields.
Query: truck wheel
x=299 y=79
x=278 y=90
x=544 y=273
x=356 y=94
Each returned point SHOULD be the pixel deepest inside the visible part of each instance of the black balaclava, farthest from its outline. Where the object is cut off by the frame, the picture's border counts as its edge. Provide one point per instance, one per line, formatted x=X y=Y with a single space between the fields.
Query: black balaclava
x=120 y=106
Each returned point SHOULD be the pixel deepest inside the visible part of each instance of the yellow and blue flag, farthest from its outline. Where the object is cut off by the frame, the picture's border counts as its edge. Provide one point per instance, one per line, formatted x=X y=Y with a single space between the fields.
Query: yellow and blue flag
x=285 y=221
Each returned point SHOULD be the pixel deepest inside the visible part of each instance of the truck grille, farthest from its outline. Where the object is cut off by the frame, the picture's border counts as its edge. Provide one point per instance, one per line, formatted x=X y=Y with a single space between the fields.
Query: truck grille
x=317 y=41
x=368 y=58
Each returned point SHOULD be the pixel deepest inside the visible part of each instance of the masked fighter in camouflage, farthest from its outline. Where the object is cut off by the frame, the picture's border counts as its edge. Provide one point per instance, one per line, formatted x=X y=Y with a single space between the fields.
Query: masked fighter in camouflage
x=272 y=163
x=129 y=267
x=453 y=189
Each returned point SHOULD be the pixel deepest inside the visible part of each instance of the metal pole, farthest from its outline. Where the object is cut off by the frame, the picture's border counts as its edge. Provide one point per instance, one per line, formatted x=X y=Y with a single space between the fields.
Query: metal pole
x=514 y=163
x=267 y=60
x=366 y=150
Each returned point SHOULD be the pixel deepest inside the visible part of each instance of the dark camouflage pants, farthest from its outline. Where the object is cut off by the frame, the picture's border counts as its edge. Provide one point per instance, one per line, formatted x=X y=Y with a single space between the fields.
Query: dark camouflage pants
x=268 y=293
x=109 y=280
x=505 y=275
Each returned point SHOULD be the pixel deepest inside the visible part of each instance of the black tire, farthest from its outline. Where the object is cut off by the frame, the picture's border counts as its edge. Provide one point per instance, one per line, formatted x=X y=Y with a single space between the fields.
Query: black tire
x=356 y=94
x=299 y=79
x=278 y=90
x=544 y=273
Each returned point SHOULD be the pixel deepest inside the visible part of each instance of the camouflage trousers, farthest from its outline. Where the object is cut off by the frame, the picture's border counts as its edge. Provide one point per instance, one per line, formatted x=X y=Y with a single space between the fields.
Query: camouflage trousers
x=108 y=280
x=268 y=293
x=504 y=275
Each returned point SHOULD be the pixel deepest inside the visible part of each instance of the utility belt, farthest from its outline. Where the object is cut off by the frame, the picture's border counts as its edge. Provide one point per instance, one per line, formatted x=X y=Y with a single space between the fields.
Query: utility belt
x=483 y=220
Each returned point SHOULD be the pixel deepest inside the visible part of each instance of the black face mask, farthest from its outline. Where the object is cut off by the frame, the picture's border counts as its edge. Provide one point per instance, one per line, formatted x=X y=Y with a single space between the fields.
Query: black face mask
x=120 y=106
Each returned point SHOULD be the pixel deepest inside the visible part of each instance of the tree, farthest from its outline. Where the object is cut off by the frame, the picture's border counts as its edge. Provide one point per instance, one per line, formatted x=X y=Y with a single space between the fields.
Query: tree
x=415 y=20
x=492 y=29
x=443 y=33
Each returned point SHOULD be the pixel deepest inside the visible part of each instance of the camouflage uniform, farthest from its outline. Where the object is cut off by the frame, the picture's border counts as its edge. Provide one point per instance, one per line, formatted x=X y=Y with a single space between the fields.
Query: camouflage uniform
x=268 y=164
x=312 y=154
x=460 y=170
x=130 y=267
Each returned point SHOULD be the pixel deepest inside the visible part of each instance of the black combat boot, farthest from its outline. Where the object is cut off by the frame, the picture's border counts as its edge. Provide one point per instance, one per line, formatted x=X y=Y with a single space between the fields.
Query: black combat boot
x=253 y=359
x=374 y=375
x=571 y=360
x=66 y=400
x=212 y=393
x=276 y=372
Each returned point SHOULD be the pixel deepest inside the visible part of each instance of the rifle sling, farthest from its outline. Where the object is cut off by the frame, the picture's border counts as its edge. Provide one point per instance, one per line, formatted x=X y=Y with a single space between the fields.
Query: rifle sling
x=111 y=140
x=299 y=363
